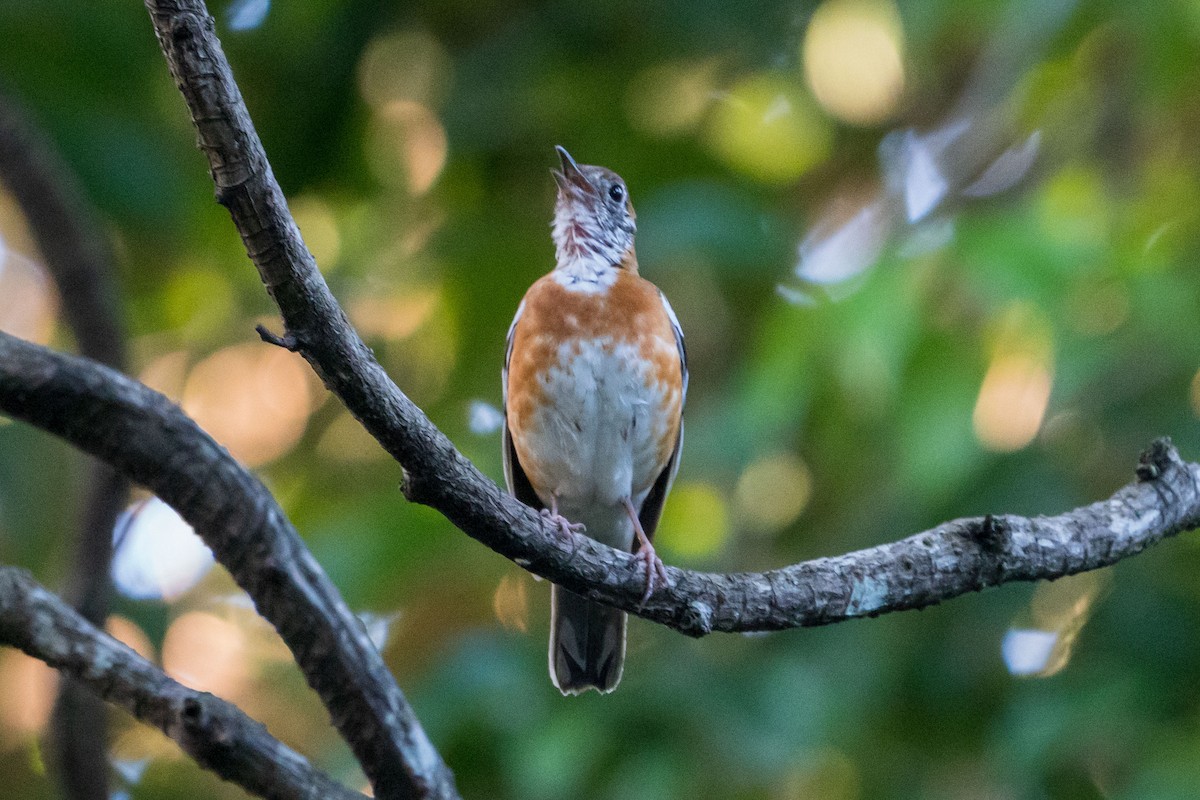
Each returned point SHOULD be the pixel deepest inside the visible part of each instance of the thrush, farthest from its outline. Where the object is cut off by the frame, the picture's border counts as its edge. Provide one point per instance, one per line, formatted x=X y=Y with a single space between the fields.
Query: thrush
x=595 y=378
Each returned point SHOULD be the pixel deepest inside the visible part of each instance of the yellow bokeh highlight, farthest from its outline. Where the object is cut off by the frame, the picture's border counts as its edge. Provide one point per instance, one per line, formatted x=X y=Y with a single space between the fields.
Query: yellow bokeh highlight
x=1074 y=207
x=28 y=300
x=318 y=225
x=767 y=128
x=407 y=145
x=695 y=522
x=773 y=491
x=670 y=99
x=1011 y=403
x=130 y=634
x=510 y=603
x=15 y=235
x=207 y=653
x=406 y=65
x=394 y=316
x=1062 y=608
x=1195 y=394
x=28 y=687
x=827 y=773
x=199 y=299
x=167 y=373
x=254 y=399
x=1015 y=393
x=854 y=61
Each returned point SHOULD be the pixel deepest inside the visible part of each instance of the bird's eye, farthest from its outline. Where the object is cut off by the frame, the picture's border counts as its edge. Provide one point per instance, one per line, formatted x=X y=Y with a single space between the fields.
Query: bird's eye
x=616 y=192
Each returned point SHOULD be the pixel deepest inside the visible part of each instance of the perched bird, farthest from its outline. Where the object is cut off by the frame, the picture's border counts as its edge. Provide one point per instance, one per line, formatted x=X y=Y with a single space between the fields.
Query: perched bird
x=595 y=377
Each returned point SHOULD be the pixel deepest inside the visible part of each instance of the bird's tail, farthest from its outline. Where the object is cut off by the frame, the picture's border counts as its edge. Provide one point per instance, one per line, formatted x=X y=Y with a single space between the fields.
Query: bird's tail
x=587 y=643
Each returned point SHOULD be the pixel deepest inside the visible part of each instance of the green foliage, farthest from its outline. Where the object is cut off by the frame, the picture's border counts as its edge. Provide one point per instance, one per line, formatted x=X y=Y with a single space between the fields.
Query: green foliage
x=414 y=144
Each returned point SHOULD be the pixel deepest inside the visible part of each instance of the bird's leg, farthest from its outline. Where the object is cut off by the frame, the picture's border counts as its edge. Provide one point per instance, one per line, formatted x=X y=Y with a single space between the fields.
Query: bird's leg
x=655 y=569
x=564 y=526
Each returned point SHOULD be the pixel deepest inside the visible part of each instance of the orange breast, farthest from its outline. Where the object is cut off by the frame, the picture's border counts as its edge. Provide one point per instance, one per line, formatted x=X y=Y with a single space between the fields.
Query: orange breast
x=629 y=312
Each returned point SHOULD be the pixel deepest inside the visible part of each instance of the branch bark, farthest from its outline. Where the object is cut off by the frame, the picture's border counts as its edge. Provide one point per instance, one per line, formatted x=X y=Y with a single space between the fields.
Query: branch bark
x=79 y=259
x=121 y=420
x=952 y=559
x=213 y=732
x=152 y=442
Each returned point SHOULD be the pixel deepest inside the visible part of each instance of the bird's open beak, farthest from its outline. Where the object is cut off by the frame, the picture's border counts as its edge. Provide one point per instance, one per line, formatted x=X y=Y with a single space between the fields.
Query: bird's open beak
x=570 y=178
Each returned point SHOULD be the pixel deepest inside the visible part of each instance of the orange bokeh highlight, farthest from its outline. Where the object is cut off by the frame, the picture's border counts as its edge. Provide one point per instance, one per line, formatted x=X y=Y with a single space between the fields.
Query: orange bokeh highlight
x=252 y=398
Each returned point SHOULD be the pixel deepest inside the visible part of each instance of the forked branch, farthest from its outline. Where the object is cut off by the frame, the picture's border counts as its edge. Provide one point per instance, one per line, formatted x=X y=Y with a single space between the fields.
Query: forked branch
x=216 y=734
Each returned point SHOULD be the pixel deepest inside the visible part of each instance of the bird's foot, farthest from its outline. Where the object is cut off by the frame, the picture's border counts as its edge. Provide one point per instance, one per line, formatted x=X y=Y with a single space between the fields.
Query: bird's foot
x=656 y=571
x=561 y=524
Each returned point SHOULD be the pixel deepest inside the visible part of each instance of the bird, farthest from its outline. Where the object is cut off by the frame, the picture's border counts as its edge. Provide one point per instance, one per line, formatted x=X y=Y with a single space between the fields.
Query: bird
x=594 y=383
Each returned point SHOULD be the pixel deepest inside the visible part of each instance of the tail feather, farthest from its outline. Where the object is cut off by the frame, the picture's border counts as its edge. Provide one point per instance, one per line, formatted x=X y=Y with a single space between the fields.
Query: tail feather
x=587 y=643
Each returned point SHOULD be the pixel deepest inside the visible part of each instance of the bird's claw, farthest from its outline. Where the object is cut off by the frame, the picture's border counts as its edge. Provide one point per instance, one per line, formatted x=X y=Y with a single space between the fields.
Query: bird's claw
x=561 y=524
x=656 y=571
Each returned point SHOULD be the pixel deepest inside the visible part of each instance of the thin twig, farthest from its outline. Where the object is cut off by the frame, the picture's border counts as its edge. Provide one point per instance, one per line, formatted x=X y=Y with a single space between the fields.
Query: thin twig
x=213 y=732
x=147 y=438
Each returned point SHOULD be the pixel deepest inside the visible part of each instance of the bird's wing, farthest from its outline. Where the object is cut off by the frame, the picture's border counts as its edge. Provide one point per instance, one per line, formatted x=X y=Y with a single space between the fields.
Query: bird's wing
x=678 y=331
x=652 y=508
x=514 y=475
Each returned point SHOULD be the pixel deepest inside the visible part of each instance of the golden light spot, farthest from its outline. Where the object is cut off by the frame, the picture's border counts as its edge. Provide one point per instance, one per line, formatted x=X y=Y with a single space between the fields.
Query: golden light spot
x=1074 y=207
x=406 y=145
x=143 y=743
x=695 y=522
x=670 y=99
x=14 y=231
x=1016 y=388
x=408 y=65
x=394 y=316
x=200 y=299
x=252 y=398
x=1042 y=641
x=28 y=302
x=314 y=217
x=130 y=634
x=853 y=58
x=1195 y=394
x=773 y=491
x=167 y=373
x=768 y=129
x=1011 y=403
x=206 y=653
x=510 y=603
x=28 y=687
x=827 y=773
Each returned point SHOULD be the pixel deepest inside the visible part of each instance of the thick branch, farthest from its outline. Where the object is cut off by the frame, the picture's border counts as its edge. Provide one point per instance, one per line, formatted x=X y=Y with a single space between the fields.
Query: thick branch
x=147 y=438
x=79 y=258
x=100 y=411
x=213 y=732
x=950 y=560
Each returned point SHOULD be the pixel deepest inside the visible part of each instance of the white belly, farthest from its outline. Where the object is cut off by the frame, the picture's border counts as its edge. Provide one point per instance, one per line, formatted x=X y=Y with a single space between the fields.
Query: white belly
x=599 y=434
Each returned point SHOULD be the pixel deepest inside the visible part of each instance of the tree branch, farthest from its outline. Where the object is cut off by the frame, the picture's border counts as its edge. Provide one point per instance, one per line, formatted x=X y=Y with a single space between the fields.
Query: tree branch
x=79 y=259
x=947 y=561
x=102 y=412
x=152 y=442
x=213 y=732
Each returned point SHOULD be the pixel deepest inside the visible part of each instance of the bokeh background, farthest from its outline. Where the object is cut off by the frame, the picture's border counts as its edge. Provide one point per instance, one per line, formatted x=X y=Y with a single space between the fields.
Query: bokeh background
x=933 y=259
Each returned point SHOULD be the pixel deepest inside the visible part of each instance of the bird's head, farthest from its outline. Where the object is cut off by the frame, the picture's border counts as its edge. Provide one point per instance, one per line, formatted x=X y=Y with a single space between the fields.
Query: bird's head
x=593 y=218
